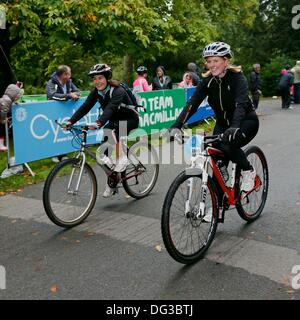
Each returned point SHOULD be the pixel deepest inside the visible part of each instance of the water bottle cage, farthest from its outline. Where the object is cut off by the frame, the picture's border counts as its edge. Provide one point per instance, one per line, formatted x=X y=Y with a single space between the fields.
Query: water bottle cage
x=223 y=170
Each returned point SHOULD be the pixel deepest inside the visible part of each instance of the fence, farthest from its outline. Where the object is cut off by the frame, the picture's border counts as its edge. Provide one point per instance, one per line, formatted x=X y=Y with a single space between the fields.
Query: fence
x=37 y=136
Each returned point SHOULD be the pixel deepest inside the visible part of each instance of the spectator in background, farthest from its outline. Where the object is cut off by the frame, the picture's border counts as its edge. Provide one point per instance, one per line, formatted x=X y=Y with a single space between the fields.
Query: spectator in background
x=284 y=87
x=140 y=84
x=296 y=72
x=255 y=84
x=12 y=93
x=161 y=81
x=60 y=87
x=194 y=70
x=282 y=72
x=187 y=81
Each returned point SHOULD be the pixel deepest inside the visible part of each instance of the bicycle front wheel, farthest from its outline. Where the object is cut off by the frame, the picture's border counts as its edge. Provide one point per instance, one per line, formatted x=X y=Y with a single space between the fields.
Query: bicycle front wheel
x=186 y=236
x=70 y=193
x=250 y=206
x=141 y=175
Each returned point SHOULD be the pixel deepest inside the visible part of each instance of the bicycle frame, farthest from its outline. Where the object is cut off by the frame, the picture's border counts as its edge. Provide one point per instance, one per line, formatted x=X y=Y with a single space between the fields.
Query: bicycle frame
x=82 y=155
x=202 y=162
x=229 y=191
x=105 y=168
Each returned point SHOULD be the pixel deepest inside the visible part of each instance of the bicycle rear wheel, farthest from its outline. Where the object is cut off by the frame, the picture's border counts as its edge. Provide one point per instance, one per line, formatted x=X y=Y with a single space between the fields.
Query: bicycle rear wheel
x=250 y=206
x=67 y=198
x=141 y=175
x=185 y=236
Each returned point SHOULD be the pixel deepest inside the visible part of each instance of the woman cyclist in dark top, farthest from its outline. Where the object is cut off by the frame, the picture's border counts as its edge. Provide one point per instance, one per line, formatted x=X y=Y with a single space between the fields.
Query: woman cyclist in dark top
x=227 y=92
x=113 y=100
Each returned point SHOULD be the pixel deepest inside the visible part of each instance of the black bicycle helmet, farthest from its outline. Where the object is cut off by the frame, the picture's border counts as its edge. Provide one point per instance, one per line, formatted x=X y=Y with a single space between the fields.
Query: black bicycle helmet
x=101 y=68
x=141 y=70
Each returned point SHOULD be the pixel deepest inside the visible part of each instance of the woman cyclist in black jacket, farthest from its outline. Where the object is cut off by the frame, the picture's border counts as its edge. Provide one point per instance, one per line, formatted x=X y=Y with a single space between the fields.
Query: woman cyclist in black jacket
x=227 y=91
x=113 y=100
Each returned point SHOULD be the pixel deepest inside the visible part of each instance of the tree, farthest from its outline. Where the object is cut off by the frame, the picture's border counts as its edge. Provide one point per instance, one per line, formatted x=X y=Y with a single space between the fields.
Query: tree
x=46 y=33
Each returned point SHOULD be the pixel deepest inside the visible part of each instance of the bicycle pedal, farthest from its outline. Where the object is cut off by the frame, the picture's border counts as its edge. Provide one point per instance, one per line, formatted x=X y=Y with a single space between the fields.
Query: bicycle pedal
x=221 y=217
x=113 y=179
x=226 y=206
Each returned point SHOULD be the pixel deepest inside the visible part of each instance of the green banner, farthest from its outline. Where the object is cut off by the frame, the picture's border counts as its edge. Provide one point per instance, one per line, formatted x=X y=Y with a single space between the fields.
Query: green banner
x=163 y=108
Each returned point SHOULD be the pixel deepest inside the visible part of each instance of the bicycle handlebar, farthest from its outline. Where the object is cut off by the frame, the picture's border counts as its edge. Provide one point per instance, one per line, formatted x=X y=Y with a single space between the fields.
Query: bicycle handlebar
x=213 y=137
x=87 y=126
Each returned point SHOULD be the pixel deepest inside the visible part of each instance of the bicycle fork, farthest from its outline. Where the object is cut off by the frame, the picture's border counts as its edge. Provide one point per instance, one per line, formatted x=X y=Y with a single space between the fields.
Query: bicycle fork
x=203 y=194
x=81 y=154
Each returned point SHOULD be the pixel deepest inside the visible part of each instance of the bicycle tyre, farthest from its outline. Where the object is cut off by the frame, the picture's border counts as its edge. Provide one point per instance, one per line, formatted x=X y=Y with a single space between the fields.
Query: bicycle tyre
x=127 y=184
x=242 y=210
x=165 y=222
x=54 y=180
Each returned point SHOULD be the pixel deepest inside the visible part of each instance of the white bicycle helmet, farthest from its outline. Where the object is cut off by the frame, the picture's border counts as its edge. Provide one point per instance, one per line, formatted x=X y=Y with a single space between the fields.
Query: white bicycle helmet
x=101 y=68
x=219 y=49
x=141 y=70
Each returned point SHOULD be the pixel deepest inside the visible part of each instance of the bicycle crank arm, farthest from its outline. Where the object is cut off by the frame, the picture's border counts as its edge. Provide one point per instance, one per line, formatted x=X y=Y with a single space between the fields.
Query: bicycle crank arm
x=257 y=185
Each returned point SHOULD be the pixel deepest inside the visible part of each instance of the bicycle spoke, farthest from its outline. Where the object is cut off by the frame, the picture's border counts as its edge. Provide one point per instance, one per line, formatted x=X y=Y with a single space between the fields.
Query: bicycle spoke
x=251 y=207
x=189 y=233
x=64 y=205
x=145 y=172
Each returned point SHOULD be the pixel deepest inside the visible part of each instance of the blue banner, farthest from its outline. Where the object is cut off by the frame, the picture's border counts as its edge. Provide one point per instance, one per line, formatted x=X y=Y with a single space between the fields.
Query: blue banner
x=204 y=111
x=37 y=136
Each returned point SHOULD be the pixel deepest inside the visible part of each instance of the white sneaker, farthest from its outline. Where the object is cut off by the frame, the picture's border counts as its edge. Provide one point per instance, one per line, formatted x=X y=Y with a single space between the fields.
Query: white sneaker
x=122 y=164
x=11 y=172
x=108 y=192
x=248 y=180
x=208 y=216
x=55 y=159
x=105 y=160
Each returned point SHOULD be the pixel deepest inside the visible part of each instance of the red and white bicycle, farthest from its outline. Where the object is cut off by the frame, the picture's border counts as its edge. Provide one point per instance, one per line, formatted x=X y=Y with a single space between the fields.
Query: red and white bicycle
x=192 y=210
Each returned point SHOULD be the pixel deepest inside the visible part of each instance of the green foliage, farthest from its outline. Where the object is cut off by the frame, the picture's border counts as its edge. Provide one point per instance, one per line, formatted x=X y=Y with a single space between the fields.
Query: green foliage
x=271 y=74
x=82 y=32
x=46 y=33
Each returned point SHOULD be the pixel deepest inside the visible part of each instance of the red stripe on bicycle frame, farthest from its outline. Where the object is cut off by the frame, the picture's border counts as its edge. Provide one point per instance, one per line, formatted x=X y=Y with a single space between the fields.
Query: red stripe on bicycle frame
x=216 y=152
x=230 y=192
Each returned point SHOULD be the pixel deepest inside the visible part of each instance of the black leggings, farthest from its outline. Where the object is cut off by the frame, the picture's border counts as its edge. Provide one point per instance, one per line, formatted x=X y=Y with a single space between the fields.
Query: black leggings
x=2 y=129
x=285 y=98
x=255 y=99
x=233 y=150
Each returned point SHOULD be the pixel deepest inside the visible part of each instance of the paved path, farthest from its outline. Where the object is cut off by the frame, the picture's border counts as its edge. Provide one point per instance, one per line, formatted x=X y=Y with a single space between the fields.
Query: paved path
x=113 y=255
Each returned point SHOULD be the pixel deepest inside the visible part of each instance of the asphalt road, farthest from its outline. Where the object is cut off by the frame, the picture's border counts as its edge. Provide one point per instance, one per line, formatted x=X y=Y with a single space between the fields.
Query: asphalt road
x=113 y=254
